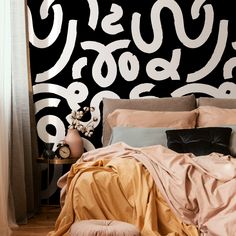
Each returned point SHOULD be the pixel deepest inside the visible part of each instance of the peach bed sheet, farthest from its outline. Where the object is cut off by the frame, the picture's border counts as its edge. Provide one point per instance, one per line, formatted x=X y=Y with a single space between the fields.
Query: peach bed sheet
x=158 y=190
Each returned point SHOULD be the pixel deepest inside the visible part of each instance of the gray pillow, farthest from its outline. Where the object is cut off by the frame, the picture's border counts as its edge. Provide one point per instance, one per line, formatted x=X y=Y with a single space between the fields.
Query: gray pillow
x=185 y=103
x=217 y=102
x=139 y=137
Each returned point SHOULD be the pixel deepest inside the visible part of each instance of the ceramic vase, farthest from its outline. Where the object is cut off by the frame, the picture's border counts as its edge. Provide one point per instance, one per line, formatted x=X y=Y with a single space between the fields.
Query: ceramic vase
x=75 y=142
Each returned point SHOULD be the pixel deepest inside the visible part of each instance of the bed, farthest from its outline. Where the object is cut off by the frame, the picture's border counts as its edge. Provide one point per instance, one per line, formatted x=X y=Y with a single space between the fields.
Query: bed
x=167 y=166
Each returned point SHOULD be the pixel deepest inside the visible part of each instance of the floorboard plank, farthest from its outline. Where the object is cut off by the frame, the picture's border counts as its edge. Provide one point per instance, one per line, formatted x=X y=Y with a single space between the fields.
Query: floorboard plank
x=40 y=224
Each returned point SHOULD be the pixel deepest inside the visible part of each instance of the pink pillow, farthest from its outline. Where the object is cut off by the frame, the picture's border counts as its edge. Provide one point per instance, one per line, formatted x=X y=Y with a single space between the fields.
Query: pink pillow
x=215 y=116
x=139 y=118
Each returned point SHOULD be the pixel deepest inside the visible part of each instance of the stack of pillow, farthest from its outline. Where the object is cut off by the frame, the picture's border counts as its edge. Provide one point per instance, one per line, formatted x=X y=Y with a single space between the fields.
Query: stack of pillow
x=218 y=112
x=184 y=124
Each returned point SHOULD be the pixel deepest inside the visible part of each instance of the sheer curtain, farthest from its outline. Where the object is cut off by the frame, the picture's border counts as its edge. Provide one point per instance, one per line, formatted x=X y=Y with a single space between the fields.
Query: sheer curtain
x=5 y=108
x=18 y=144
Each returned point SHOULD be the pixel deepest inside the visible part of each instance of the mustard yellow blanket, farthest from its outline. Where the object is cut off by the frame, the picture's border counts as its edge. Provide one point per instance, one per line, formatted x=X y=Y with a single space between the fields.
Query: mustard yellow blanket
x=153 y=188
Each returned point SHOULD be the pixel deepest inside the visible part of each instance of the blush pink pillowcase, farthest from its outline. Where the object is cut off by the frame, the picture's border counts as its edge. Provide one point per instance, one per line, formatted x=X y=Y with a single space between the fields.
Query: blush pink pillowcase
x=139 y=118
x=215 y=116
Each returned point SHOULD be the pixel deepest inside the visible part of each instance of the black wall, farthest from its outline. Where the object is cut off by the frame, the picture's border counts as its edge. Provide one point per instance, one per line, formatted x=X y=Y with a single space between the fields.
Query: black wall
x=82 y=51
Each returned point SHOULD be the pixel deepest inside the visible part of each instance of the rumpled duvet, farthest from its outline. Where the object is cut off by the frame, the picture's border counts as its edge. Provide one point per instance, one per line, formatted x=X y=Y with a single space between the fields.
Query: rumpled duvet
x=158 y=190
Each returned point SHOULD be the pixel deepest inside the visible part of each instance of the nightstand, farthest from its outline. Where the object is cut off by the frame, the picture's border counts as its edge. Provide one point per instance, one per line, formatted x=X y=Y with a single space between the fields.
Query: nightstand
x=56 y=161
x=49 y=177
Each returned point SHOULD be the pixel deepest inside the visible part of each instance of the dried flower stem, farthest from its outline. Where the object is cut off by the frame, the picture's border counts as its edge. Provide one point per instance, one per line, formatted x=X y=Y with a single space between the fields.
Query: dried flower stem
x=76 y=122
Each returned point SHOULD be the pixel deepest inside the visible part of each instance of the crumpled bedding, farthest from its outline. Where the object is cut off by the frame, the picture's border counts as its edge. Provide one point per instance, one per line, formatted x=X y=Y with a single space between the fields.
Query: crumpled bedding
x=158 y=190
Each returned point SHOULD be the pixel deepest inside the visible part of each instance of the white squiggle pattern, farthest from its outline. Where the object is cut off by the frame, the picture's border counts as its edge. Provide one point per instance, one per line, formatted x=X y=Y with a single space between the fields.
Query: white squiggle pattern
x=126 y=60
x=75 y=93
x=42 y=129
x=47 y=102
x=228 y=68
x=179 y=26
x=141 y=88
x=54 y=33
x=65 y=56
x=44 y=8
x=234 y=45
x=216 y=56
x=195 y=9
x=108 y=21
x=88 y=145
x=50 y=88
x=226 y=90
x=230 y=65
x=105 y=56
x=94 y=13
x=78 y=66
x=169 y=68
x=97 y=99
x=93 y=6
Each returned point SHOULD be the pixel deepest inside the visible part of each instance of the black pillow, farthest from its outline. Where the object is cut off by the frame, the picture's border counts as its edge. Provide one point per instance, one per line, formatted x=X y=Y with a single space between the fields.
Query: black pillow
x=200 y=141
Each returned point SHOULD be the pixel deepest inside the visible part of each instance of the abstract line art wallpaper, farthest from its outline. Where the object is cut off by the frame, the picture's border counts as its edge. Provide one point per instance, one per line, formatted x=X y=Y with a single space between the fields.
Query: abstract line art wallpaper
x=84 y=50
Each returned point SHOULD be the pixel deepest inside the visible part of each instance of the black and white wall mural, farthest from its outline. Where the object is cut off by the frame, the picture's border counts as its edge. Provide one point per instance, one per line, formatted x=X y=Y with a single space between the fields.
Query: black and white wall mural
x=84 y=50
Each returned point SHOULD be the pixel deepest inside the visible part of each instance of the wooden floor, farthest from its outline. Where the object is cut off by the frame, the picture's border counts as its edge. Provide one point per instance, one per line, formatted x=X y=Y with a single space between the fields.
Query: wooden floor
x=40 y=224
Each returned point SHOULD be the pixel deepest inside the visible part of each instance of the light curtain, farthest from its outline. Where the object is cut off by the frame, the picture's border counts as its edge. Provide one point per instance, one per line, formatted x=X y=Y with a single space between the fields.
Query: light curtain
x=5 y=105
x=18 y=130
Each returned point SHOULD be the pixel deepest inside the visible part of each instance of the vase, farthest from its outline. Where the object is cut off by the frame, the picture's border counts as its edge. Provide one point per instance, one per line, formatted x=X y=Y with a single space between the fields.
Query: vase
x=75 y=142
